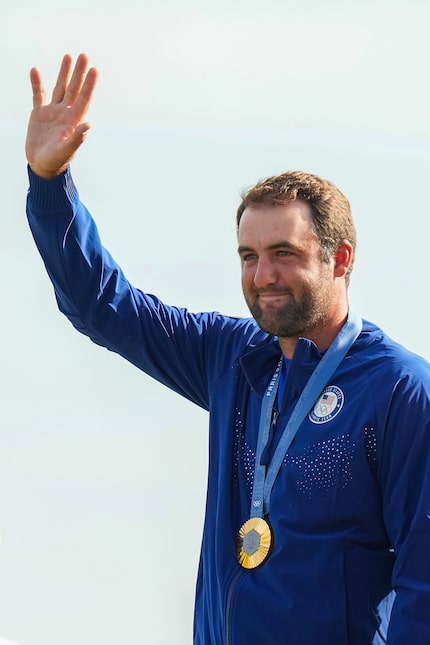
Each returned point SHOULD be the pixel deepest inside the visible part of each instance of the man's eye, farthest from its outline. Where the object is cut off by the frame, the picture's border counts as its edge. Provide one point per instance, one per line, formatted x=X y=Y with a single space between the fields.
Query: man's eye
x=284 y=254
x=248 y=257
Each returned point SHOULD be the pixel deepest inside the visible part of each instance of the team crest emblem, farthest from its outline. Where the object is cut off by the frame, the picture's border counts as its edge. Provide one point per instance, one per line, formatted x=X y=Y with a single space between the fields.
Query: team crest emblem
x=328 y=406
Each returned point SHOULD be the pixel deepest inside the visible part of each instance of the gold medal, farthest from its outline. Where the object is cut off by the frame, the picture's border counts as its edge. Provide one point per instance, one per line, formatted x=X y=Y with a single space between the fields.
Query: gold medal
x=253 y=542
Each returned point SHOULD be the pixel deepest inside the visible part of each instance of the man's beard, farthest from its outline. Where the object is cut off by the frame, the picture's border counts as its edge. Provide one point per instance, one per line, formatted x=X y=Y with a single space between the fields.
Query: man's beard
x=296 y=317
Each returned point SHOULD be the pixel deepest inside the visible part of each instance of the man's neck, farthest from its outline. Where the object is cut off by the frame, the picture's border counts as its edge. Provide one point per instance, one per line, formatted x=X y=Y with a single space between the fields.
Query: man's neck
x=321 y=335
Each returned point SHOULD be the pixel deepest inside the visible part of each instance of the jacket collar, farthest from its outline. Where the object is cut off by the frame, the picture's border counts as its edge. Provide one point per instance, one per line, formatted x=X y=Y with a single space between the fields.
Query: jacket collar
x=259 y=363
x=260 y=360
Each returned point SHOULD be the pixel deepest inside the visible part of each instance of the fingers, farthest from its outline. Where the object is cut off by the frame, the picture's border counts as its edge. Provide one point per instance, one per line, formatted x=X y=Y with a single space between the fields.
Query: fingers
x=62 y=79
x=65 y=89
x=76 y=91
x=85 y=94
x=37 y=87
x=68 y=89
x=74 y=87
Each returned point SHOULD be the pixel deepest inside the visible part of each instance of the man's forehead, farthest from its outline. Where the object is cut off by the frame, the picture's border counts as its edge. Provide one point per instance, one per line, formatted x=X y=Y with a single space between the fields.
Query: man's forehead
x=293 y=219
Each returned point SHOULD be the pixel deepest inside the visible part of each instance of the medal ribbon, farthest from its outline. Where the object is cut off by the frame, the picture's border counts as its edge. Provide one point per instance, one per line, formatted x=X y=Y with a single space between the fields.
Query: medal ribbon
x=263 y=482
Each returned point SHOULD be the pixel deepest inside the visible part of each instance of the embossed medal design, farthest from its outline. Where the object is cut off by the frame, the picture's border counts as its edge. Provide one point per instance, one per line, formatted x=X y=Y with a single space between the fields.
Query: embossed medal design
x=253 y=542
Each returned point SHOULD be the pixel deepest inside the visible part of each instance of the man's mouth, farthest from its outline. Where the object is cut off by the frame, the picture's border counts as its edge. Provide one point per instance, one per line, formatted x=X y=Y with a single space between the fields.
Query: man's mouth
x=271 y=297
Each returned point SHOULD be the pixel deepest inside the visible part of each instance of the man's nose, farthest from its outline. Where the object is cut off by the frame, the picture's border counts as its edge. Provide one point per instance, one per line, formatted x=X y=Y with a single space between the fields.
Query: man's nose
x=265 y=273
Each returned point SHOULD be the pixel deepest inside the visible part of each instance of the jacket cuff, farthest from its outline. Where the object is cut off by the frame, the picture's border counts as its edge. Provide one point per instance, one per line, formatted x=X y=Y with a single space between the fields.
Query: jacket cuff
x=50 y=194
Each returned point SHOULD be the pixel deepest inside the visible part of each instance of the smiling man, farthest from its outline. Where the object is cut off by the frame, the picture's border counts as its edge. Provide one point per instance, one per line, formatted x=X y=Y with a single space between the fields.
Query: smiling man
x=317 y=526
x=294 y=271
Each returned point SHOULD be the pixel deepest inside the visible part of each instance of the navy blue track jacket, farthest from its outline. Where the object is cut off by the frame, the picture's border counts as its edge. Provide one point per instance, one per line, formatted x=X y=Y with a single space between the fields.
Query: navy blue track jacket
x=350 y=508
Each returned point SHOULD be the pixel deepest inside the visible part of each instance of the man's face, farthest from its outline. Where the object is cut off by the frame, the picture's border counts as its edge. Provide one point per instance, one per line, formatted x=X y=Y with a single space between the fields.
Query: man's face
x=288 y=288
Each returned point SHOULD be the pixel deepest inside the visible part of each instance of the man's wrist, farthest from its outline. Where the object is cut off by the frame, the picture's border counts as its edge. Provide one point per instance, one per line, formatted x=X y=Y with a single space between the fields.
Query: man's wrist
x=46 y=174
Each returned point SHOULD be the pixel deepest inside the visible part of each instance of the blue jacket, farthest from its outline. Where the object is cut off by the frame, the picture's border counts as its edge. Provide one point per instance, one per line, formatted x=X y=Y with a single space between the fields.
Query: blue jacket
x=350 y=508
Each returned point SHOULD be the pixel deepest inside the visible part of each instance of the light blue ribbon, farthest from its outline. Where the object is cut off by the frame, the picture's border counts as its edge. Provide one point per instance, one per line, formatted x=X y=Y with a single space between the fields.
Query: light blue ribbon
x=264 y=479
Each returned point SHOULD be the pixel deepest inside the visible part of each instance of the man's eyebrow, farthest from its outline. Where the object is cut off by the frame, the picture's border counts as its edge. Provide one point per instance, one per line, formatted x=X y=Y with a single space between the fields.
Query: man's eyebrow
x=244 y=249
x=284 y=244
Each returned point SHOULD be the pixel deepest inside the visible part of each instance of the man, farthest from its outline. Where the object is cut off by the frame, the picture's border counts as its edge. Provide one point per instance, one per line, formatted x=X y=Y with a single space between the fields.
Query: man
x=317 y=527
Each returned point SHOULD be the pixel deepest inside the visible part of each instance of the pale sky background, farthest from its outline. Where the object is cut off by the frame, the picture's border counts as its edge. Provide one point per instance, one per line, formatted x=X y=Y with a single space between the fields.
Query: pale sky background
x=102 y=471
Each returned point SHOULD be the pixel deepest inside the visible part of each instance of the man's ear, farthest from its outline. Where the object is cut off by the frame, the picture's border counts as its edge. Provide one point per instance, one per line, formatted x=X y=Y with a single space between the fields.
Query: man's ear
x=343 y=259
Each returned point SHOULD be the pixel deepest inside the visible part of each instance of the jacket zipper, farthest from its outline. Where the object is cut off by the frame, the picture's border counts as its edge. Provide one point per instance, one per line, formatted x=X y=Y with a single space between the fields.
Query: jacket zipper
x=233 y=586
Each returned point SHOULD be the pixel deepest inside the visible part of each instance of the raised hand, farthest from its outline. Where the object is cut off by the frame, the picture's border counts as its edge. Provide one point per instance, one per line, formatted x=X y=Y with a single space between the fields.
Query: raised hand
x=57 y=129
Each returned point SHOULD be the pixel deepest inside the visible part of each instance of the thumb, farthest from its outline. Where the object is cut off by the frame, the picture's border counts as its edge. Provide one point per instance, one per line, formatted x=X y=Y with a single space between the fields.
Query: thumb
x=80 y=133
x=73 y=141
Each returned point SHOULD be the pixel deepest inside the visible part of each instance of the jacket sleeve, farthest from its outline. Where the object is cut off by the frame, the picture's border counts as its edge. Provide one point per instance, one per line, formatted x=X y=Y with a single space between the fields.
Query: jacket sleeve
x=405 y=479
x=168 y=343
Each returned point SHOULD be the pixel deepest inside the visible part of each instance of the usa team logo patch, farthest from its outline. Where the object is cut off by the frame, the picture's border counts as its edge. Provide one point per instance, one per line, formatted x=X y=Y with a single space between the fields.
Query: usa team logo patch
x=328 y=405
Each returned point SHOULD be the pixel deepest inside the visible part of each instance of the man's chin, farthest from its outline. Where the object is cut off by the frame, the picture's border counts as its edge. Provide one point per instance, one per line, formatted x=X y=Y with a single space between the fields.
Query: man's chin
x=270 y=319
x=269 y=325
x=278 y=326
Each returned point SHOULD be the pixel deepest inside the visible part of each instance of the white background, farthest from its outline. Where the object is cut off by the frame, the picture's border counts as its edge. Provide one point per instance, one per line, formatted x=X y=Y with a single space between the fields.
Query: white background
x=102 y=472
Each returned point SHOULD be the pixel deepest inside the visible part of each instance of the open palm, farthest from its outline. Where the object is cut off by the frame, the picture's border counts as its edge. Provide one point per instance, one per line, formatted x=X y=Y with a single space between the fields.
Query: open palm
x=57 y=129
